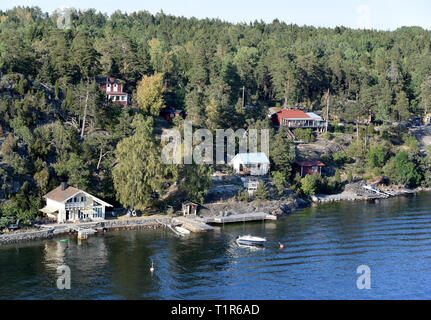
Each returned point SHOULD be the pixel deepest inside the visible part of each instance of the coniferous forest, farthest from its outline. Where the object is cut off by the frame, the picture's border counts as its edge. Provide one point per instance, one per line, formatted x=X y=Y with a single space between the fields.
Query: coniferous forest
x=57 y=125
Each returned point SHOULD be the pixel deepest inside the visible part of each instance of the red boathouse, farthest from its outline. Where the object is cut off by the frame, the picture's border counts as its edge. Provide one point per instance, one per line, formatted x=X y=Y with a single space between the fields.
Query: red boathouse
x=308 y=167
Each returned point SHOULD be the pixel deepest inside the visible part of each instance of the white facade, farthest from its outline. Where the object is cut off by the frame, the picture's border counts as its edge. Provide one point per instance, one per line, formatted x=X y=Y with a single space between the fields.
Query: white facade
x=254 y=163
x=79 y=206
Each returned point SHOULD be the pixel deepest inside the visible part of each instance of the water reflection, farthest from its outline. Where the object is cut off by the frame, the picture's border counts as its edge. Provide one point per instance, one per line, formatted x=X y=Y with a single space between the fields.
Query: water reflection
x=323 y=245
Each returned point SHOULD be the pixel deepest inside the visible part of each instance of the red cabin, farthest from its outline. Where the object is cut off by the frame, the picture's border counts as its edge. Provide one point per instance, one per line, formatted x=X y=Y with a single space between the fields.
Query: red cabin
x=294 y=118
x=308 y=167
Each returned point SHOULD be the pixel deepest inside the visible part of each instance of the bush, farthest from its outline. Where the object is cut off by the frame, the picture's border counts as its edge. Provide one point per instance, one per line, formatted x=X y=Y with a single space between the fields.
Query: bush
x=340 y=158
x=242 y=196
x=401 y=170
x=337 y=128
x=280 y=181
x=349 y=176
x=311 y=184
x=261 y=192
x=412 y=143
x=306 y=135
x=376 y=156
x=350 y=128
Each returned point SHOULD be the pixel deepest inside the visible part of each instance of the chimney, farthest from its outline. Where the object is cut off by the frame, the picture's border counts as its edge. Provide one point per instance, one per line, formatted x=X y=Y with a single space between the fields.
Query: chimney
x=63 y=186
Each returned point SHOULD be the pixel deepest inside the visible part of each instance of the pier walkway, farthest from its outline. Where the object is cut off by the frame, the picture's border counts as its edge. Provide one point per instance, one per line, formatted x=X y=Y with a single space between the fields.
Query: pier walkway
x=244 y=217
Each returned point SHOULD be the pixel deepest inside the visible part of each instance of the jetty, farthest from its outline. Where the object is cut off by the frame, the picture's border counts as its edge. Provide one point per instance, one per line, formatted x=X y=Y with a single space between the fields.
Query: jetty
x=193 y=223
x=244 y=217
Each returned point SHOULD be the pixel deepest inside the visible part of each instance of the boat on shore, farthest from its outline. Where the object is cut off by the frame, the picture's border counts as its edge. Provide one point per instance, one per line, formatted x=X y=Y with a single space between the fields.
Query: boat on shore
x=250 y=240
x=182 y=230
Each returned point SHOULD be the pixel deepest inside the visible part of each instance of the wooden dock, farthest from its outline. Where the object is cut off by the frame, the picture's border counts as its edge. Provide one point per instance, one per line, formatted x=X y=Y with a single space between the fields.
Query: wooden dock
x=245 y=217
x=193 y=223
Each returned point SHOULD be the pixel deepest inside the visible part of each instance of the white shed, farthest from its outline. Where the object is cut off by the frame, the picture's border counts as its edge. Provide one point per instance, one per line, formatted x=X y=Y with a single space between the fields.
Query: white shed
x=255 y=164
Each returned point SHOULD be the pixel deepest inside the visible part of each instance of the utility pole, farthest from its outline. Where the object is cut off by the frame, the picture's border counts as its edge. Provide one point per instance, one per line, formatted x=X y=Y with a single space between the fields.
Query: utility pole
x=243 y=102
x=327 y=110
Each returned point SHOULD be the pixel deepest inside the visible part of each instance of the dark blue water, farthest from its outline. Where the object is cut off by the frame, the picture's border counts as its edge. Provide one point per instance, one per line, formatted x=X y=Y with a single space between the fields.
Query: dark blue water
x=324 y=245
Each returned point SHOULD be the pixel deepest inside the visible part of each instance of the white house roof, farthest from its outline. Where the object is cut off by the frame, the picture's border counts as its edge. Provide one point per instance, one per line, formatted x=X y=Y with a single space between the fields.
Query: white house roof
x=314 y=116
x=250 y=158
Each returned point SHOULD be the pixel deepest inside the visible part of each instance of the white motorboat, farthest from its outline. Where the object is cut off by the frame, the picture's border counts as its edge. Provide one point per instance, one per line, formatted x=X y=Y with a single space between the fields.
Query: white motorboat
x=182 y=230
x=250 y=240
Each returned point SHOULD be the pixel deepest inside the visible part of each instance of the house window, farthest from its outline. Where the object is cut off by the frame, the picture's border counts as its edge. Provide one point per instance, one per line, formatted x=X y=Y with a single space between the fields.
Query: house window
x=97 y=213
x=314 y=168
x=96 y=204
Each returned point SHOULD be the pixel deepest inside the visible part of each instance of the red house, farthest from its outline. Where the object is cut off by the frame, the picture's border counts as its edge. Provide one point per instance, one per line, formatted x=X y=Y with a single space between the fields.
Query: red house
x=294 y=118
x=308 y=167
x=114 y=90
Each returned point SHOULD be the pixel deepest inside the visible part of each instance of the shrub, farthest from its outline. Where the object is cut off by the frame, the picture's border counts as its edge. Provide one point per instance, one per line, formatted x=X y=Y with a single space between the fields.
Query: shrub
x=340 y=158
x=350 y=129
x=242 y=196
x=337 y=127
x=261 y=192
x=401 y=170
x=311 y=184
x=349 y=176
x=280 y=181
x=306 y=135
x=376 y=157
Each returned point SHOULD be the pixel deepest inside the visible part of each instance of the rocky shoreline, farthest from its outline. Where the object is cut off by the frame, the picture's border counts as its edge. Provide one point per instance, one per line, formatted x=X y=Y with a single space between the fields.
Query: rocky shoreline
x=352 y=193
x=274 y=207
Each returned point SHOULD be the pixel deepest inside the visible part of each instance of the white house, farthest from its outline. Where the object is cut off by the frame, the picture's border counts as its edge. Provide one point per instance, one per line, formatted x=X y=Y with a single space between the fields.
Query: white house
x=66 y=203
x=256 y=164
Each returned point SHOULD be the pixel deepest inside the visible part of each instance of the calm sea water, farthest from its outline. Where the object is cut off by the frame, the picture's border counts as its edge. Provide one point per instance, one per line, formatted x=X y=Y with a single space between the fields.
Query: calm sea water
x=324 y=245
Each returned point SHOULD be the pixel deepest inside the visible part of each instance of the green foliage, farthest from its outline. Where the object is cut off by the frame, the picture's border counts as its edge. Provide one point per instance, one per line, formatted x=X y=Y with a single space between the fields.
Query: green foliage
x=311 y=184
x=280 y=181
x=139 y=174
x=71 y=168
x=261 y=192
x=197 y=181
x=349 y=176
x=401 y=170
x=340 y=158
x=306 y=135
x=282 y=152
x=242 y=196
x=412 y=143
x=377 y=156
x=200 y=66
x=150 y=94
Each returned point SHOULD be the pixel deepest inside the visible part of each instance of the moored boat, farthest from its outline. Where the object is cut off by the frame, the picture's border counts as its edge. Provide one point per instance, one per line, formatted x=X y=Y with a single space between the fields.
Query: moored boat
x=182 y=230
x=250 y=240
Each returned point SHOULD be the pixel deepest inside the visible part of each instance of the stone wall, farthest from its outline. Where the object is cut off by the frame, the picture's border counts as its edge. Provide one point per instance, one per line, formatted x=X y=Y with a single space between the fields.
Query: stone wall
x=110 y=225
x=26 y=236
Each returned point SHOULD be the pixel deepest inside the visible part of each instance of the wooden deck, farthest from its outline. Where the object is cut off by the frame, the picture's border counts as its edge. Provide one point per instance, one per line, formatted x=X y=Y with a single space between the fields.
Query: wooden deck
x=252 y=216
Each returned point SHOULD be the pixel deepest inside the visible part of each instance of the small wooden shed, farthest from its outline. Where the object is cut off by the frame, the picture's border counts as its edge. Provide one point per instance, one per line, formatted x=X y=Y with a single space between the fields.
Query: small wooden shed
x=189 y=207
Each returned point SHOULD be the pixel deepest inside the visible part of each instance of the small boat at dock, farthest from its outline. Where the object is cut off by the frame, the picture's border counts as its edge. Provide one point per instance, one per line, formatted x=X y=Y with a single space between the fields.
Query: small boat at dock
x=182 y=230
x=250 y=240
